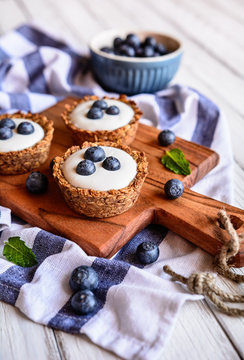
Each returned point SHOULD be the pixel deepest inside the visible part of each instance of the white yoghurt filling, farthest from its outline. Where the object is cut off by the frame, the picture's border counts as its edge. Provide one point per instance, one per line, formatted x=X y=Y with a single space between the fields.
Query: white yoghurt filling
x=107 y=122
x=101 y=179
x=20 y=142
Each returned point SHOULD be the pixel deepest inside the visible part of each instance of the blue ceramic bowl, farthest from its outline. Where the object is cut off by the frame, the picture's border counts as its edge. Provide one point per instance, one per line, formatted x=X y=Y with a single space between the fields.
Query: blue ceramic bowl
x=127 y=75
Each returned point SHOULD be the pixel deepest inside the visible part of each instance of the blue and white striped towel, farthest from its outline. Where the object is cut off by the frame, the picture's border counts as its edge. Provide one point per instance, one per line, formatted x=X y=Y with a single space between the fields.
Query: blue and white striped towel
x=138 y=305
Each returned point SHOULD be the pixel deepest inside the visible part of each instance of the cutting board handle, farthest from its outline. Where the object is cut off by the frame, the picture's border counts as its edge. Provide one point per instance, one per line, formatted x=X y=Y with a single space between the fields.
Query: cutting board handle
x=195 y=217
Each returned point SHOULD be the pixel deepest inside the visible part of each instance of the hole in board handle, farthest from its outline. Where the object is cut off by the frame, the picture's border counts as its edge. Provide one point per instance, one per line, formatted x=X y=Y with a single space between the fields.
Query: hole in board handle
x=236 y=222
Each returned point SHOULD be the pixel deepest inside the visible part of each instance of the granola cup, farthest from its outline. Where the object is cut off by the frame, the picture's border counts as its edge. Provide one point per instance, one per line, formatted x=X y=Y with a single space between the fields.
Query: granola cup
x=125 y=134
x=101 y=204
x=22 y=161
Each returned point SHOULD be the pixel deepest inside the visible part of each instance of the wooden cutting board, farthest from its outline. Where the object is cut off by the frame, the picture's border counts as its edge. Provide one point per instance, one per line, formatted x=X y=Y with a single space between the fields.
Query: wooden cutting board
x=192 y=216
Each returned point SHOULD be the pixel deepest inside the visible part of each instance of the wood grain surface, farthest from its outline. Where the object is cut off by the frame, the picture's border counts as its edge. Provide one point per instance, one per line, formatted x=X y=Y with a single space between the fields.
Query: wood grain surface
x=193 y=216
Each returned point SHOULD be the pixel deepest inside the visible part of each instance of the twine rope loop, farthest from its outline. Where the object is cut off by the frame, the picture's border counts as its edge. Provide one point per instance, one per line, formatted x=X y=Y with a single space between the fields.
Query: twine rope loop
x=204 y=283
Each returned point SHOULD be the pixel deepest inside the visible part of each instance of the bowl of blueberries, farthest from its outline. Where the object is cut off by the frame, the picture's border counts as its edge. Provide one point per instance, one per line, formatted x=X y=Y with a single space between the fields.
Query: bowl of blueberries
x=133 y=63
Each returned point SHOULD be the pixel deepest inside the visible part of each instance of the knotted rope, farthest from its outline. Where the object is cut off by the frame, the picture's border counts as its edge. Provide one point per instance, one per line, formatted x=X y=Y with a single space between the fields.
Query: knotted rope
x=204 y=283
x=228 y=250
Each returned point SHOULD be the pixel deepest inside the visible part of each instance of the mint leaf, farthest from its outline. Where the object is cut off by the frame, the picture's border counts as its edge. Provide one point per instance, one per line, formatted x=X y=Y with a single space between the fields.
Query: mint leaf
x=18 y=253
x=175 y=161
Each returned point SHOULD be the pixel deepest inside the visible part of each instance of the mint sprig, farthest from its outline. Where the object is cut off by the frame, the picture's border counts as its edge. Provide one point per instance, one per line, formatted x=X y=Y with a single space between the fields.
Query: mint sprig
x=18 y=253
x=175 y=161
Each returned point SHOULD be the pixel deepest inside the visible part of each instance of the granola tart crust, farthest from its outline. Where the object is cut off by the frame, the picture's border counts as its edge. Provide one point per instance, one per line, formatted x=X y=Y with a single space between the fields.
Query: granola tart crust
x=22 y=161
x=101 y=204
x=124 y=134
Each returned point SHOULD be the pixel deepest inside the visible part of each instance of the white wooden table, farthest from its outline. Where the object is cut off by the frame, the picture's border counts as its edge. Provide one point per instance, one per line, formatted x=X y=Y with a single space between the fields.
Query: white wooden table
x=213 y=35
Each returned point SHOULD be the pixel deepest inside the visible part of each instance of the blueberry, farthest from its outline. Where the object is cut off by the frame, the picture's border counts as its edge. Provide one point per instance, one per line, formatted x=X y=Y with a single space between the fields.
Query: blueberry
x=130 y=51
x=133 y=40
x=7 y=122
x=107 y=50
x=117 y=42
x=150 y=41
x=174 y=188
x=117 y=51
x=166 y=137
x=101 y=104
x=83 y=302
x=113 y=110
x=36 y=183
x=148 y=51
x=85 y=167
x=95 y=154
x=5 y=133
x=25 y=128
x=126 y=50
x=147 y=252
x=95 y=113
x=161 y=49
x=82 y=278
x=139 y=52
x=111 y=163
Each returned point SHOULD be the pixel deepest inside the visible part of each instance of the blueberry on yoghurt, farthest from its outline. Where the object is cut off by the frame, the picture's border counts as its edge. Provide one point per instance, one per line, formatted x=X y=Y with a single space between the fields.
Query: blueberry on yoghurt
x=5 y=133
x=7 y=122
x=85 y=168
x=25 y=128
x=113 y=110
x=102 y=104
x=95 y=154
x=95 y=113
x=111 y=163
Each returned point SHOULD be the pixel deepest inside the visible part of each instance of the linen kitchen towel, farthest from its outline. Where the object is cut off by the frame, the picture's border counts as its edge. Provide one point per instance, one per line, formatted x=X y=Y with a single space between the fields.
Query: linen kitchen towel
x=137 y=305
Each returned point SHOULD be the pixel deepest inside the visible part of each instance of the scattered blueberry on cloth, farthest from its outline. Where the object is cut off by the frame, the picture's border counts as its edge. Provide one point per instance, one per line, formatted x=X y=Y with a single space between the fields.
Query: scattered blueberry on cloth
x=137 y=304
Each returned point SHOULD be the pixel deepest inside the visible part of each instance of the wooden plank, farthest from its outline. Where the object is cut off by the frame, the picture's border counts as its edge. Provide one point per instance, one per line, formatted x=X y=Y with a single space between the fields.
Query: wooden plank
x=104 y=20
x=194 y=324
x=49 y=16
x=12 y=15
x=80 y=347
x=207 y=37
x=233 y=9
x=78 y=19
x=21 y=338
x=220 y=23
x=231 y=325
x=24 y=9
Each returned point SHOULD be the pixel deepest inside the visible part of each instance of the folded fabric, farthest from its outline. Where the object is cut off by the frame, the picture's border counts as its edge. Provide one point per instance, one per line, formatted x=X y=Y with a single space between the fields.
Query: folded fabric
x=137 y=305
